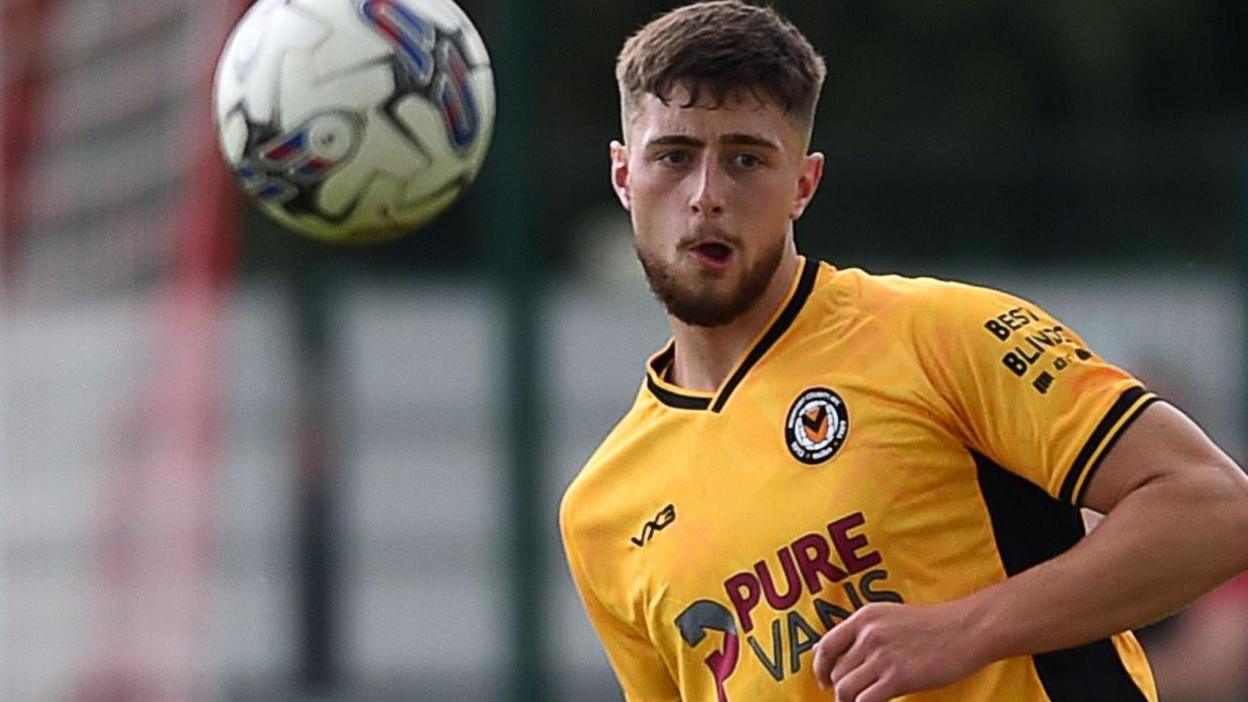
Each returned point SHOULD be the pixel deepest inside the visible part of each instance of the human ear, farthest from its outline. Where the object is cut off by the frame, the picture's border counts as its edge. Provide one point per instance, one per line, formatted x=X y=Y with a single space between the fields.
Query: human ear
x=619 y=174
x=807 y=183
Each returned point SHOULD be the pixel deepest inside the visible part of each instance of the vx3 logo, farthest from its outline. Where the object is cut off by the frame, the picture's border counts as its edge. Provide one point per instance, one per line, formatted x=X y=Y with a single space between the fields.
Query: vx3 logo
x=666 y=516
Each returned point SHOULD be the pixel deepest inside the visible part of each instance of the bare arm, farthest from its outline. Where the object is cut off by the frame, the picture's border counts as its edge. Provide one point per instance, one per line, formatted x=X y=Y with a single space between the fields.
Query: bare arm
x=1176 y=525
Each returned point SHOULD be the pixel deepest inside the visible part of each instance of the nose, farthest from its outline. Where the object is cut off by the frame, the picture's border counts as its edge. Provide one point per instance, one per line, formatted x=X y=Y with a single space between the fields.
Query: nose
x=707 y=198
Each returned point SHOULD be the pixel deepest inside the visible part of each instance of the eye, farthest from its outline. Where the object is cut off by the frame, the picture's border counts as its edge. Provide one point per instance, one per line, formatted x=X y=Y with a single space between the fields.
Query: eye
x=747 y=161
x=674 y=158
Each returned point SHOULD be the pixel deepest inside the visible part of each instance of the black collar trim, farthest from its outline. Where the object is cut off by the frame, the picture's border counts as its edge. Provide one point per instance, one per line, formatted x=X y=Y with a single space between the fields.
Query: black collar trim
x=678 y=400
x=669 y=397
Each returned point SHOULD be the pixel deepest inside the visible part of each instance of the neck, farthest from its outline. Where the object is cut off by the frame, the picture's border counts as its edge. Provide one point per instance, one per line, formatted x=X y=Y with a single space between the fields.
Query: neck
x=706 y=355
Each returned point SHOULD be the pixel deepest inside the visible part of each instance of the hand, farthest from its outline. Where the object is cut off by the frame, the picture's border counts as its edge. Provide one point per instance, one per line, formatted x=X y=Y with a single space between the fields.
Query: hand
x=885 y=650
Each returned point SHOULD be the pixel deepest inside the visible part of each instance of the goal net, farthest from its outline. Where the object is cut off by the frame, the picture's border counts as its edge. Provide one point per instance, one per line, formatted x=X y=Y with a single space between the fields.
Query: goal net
x=118 y=228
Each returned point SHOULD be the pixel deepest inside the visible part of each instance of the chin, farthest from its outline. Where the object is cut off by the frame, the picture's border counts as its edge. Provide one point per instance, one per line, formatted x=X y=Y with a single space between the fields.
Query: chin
x=707 y=296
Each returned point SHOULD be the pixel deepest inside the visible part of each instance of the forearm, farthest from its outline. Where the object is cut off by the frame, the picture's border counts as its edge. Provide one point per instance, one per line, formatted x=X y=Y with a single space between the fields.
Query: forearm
x=1176 y=525
x=1160 y=548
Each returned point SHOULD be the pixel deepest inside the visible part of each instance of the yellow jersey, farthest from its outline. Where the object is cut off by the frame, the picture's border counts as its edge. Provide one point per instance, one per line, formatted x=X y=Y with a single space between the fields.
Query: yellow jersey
x=884 y=439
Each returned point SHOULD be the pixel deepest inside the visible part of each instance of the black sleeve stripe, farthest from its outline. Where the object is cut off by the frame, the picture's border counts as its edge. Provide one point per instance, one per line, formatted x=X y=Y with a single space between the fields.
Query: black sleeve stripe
x=1135 y=413
x=1120 y=416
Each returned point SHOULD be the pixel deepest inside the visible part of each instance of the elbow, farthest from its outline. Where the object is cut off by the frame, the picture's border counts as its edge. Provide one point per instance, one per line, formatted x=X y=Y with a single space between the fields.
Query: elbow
x=1240 y=538
x=1236 y=494
x=1218 y=499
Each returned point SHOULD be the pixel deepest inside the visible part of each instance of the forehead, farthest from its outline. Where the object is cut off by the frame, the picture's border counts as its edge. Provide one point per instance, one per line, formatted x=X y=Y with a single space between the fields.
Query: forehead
x=742 y=112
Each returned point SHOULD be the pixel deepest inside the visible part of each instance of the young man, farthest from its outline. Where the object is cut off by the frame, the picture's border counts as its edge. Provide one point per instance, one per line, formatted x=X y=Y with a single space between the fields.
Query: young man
x=833 y=481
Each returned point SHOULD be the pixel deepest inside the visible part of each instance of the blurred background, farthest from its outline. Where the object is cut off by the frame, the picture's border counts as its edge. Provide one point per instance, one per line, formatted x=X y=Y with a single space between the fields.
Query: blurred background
x=236 y=464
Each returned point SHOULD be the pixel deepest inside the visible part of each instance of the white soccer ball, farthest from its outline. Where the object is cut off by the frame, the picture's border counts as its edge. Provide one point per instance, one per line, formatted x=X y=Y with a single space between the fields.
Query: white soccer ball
x=354 y=120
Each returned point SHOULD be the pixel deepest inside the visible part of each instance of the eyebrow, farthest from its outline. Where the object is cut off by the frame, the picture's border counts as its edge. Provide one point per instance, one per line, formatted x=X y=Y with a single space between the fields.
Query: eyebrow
x=733 y=139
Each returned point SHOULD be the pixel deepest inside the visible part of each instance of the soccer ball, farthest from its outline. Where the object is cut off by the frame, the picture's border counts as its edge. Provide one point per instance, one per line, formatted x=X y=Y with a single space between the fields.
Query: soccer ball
x=354 y=120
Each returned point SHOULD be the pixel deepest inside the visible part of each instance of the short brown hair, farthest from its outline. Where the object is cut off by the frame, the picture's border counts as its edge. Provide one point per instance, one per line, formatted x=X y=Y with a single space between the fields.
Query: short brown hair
x=717 y=48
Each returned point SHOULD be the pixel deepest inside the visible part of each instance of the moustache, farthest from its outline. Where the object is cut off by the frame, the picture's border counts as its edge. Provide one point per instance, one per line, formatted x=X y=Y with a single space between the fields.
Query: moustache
x=704 y=233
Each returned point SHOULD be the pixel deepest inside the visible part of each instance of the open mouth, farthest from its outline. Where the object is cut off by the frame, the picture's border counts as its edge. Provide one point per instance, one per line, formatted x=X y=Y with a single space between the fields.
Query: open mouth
x=713 y=253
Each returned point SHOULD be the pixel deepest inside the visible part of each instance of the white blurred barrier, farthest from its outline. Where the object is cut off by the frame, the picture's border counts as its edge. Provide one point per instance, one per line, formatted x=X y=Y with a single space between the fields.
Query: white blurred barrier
x=418 y=481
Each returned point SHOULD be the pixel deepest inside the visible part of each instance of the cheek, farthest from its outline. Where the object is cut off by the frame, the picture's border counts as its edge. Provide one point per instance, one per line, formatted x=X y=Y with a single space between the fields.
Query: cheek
x=771 y=201
x=644 y=209
x=654 y=198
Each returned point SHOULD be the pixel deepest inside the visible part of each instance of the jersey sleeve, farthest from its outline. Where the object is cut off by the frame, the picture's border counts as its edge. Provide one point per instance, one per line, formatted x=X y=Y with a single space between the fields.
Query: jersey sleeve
x=1022 y=389
x=642 y=674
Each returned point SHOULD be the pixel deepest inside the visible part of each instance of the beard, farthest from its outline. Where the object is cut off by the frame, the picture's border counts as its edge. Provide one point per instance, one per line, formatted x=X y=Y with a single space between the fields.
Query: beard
x=694 y=298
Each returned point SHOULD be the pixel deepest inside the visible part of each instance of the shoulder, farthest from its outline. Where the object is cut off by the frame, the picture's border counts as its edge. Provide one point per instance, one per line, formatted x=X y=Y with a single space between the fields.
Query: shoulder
x=908 y=305
x=897 y=295
x=614 y=493
x=594 y=500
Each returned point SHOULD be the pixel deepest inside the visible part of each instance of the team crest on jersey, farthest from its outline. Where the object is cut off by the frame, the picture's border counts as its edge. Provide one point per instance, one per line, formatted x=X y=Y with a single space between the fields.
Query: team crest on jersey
x=816 y=426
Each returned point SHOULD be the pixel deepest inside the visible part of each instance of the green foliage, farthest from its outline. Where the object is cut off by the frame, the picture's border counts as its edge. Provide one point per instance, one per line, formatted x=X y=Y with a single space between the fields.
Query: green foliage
x=1032 y=131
